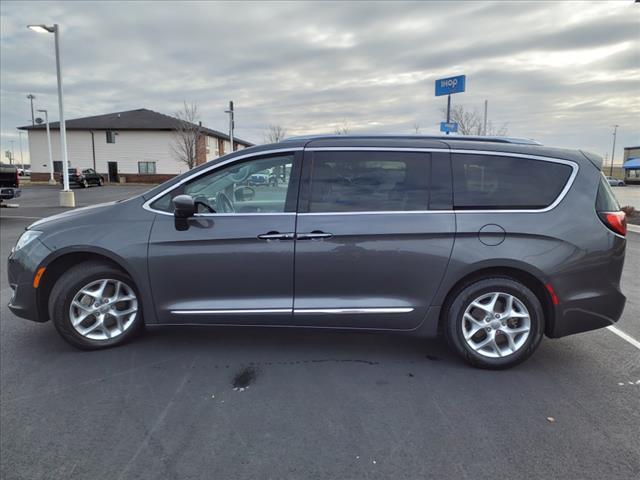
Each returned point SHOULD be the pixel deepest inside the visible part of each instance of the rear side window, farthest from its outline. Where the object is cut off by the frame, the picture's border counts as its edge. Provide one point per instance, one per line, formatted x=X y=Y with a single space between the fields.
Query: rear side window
x=496 y=182
x=606 y=200
x=369 y=181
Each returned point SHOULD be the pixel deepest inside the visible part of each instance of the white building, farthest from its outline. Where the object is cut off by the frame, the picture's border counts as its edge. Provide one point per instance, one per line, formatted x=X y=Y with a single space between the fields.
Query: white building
x=136 y=145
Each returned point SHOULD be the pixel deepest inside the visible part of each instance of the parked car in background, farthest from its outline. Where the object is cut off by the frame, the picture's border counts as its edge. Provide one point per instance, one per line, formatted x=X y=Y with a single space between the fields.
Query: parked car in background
x=84 y=178
x=615 y=182
x=268 y=179
x=24 y=171
x=9 y=182
x=487 y=241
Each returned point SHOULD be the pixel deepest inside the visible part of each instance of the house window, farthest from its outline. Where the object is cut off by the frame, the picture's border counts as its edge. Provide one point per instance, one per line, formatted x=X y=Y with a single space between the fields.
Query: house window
x=146 y=168
x=111 y=136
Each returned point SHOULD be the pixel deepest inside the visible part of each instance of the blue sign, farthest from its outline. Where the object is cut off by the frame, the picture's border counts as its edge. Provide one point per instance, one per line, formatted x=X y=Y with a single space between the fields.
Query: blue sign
x=447 y=86
x=448 y=127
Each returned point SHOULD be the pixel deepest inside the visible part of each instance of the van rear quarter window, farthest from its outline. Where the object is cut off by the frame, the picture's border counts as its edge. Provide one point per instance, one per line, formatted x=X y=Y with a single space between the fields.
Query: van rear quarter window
x=497 y=182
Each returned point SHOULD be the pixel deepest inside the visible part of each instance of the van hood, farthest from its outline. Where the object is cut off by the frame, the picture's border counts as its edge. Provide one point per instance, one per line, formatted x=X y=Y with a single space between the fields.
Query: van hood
x=71 y=214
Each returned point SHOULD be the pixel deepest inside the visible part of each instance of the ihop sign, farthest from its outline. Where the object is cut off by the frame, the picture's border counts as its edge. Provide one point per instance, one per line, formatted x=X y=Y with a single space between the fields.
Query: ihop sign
x=447 y=86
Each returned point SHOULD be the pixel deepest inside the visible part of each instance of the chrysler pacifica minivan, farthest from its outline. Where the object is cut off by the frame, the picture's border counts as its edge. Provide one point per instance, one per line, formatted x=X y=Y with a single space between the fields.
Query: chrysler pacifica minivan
x=491 y=242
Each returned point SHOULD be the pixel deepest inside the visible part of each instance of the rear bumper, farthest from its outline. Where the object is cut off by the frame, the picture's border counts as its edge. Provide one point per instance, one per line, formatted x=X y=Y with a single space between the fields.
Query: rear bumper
x=590 y=313
x=9 y=193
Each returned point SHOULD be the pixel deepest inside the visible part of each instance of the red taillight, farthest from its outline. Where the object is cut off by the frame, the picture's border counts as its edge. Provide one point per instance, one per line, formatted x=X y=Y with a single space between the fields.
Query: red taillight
x=616 y=221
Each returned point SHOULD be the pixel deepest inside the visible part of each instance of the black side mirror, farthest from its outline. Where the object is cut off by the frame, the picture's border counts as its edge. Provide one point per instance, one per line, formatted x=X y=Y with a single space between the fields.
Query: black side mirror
x=184 y=206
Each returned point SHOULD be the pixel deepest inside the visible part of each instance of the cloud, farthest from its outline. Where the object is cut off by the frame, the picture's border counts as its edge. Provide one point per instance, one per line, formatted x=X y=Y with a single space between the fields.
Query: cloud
x=561 y=72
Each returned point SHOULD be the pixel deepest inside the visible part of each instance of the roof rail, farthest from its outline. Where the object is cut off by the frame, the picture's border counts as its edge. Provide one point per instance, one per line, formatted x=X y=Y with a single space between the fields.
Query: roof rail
x=470 y=138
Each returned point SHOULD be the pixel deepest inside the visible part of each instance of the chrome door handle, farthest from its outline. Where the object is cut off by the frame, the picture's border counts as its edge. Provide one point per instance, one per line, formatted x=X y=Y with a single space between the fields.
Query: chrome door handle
x=277 y=236
x=313 y=235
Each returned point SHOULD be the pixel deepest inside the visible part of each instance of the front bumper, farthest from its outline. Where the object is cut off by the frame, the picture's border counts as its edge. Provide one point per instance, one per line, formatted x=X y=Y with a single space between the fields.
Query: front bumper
x=21 y=269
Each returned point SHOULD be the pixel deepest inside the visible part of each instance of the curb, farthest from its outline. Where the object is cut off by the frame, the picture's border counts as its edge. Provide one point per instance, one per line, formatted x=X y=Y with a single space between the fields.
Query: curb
x=633 y=228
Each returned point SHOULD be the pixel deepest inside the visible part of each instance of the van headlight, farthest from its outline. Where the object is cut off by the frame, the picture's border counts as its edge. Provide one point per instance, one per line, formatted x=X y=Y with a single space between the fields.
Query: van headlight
x=26 y=238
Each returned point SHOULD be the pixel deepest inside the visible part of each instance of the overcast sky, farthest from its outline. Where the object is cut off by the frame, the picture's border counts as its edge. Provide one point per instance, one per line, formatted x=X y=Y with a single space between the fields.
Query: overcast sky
x=562 y=73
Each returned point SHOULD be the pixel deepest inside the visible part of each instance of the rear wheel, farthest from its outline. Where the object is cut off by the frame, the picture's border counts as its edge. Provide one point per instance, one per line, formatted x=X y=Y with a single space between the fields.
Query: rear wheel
x=495 y=323
x=100 y=182
x=94 y=305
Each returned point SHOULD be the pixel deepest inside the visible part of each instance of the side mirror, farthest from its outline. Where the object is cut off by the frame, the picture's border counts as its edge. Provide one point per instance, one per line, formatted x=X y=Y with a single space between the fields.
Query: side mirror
x=184 y=206
x=244 y=194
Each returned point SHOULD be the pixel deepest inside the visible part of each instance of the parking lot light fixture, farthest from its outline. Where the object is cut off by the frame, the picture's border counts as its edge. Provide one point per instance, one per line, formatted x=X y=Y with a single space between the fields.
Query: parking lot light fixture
x=52 y=180
x=67 y=198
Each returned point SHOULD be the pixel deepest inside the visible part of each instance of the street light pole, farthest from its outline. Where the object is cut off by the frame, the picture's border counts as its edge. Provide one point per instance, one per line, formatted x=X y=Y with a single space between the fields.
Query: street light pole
x=613 y=150
x=21 y=157
x=31 y=97
x=231 y=124
x=67 y=198
x=52 y=180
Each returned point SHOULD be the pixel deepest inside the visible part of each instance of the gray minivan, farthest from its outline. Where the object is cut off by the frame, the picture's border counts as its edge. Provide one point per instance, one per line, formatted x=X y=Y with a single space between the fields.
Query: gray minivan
x=492 y=242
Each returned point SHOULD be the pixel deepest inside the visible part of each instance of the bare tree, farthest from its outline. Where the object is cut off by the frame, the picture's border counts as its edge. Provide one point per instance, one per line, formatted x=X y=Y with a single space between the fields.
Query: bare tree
x=416 y=128
x=188 y=130
x=471 y=122
x=275 y=134
x=344 y=128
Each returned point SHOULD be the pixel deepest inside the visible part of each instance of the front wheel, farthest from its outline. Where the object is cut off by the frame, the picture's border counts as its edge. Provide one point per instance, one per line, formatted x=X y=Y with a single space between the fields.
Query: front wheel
x=94 y=305
x=85 y=184
x=495 y=323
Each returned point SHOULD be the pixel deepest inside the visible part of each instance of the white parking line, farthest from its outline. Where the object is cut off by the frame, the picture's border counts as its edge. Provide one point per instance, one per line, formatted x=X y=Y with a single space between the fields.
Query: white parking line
x=633 y=228
x=624 y=336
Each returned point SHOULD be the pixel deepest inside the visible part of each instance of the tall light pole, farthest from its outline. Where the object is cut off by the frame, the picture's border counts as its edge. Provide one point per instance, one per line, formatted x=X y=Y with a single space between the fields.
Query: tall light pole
x=613 y=150
x=21 y=157
x=31 y=97
x=231 y=123
x=52 y=181
x=67 y=198
x=11 y=161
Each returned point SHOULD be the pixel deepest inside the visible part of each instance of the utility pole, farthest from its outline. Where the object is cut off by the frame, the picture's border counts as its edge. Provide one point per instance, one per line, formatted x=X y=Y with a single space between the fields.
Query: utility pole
x=613 y=150
x=484 y=128
x=11 y=160
x=231 y=124
x=31 y=97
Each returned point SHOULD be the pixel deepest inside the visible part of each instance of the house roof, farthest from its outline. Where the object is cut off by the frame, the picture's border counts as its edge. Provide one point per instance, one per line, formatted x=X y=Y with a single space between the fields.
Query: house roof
x=141 y=119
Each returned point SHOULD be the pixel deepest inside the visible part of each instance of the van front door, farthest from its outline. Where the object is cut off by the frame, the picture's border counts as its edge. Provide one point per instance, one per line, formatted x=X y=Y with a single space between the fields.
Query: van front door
x=233 y=264
x=370 y=251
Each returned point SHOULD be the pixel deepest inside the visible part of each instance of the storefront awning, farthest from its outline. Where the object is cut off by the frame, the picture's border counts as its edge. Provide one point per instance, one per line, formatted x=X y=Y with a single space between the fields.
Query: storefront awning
x=632 y=164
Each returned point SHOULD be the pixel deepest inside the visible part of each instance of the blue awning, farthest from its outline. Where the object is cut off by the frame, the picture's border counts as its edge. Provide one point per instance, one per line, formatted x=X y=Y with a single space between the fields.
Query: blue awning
x=632 y=164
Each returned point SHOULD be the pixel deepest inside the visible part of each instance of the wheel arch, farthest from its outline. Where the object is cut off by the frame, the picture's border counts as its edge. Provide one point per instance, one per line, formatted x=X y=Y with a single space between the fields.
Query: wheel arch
x=61 y=261
x=531 y=280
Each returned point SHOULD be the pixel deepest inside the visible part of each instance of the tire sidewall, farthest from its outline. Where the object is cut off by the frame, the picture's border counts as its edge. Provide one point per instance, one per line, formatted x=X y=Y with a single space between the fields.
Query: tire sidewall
x=477 y=289
x=69 y=285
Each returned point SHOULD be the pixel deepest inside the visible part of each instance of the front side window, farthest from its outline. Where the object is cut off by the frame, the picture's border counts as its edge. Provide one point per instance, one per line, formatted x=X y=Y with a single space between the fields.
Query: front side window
x=259 y=185
x=496 y=182
x=147 y=168
x=369 y=181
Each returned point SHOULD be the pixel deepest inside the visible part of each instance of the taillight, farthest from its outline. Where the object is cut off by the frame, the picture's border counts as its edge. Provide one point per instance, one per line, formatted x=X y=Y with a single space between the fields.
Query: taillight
x=616 y=221
x=17 y=179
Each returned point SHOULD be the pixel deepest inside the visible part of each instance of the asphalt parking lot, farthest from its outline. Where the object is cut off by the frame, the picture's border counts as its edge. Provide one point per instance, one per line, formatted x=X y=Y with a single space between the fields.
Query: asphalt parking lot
x=318 y=405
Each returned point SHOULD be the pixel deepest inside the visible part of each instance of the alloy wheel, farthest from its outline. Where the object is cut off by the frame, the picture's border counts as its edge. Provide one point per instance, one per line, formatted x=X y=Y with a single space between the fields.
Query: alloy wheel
x=496 y=324
x=103 y=309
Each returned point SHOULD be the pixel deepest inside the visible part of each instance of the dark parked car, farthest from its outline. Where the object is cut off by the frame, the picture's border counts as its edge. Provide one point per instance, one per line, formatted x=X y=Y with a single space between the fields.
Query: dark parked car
x=615 y=182
x=493 y=243
x=84 y=178
x=9 y=182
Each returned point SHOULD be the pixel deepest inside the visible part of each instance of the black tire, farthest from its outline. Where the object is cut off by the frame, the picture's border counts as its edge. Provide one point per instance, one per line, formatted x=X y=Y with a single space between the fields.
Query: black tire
x=454 y=321
x=66 y=288
x=85 y=184
x=100 y=182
